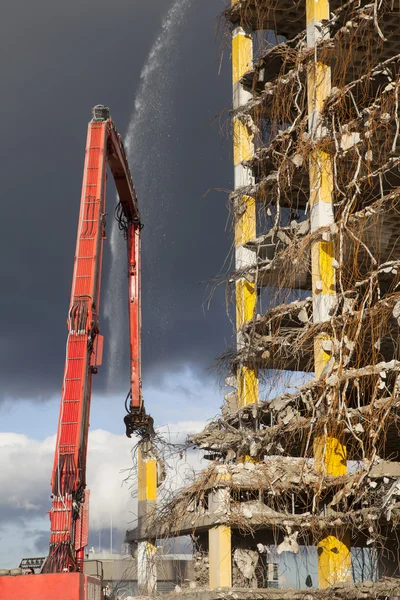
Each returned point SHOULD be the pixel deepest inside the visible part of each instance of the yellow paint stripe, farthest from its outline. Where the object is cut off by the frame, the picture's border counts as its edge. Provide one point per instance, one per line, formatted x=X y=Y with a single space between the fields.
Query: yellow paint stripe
x=246 y=299
x=316 y=10
x=245 y=224
x=151 y=549
x=321 y=177
x=327 y=271
x=147 y=478
x=223 y=477
x=330 y=455
x=220 y=557
x=322 y=256
x=334 y=560
x=321 y=357
x=243 y=146
x=247 y=386
x=242 y=55
x=318 y=85
x=247 y=377
x=246 y=459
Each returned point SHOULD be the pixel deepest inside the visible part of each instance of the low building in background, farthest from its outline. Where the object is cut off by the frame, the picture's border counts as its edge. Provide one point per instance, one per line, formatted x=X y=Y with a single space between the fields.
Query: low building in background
x=120 y=574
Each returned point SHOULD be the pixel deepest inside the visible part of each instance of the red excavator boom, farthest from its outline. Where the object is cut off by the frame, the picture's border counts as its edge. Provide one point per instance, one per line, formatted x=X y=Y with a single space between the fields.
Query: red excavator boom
x=69 y=512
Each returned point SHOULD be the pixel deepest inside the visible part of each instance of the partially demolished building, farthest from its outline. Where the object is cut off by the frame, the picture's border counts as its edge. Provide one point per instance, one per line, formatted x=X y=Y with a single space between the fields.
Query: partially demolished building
x=309 y=467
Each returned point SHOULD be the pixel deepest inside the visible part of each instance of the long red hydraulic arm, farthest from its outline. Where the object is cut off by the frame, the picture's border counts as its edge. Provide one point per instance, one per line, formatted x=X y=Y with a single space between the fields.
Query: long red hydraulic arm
x=69 y=512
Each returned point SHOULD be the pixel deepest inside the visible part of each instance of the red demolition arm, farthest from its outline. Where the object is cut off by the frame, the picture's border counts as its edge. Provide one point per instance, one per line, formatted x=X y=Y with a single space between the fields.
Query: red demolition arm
x=69 y=471
x=69 y=512
x=134 y=315
x=136 y=419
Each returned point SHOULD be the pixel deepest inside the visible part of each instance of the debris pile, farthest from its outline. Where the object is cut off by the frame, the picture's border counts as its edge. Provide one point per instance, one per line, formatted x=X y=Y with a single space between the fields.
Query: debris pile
x=286 y=495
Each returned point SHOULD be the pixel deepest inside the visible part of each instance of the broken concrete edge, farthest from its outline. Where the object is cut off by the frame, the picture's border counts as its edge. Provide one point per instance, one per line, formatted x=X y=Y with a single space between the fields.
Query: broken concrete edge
x=193 y=510
x=299 y=311
x=297 y=338
x=307 y=527
x=273 y=87
x=386 y=587
x=295 y=162
x=247 y=13
x=308 y=390
x=357 y=18
x=282 y=474
x=298 y=232
x=291 y=252
x=285 y=436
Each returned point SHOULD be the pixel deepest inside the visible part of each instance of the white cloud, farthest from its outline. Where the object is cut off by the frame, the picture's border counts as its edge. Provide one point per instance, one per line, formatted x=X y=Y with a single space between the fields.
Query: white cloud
x=25 y=472
x=108 y=456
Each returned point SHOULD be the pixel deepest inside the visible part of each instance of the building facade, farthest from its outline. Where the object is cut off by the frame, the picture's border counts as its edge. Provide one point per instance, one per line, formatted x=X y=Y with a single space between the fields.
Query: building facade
x=303 y=486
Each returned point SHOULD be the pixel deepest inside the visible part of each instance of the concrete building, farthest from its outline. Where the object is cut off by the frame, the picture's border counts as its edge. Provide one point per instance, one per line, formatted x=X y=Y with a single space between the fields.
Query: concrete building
x=304 y=476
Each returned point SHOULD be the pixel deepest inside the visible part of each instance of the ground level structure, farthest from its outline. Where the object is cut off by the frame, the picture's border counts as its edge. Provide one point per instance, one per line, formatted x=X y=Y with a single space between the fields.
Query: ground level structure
x=302 y=495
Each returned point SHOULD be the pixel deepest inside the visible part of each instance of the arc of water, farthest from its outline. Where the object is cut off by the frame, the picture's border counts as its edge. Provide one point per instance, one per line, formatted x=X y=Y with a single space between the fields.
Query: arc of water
x=142 y=141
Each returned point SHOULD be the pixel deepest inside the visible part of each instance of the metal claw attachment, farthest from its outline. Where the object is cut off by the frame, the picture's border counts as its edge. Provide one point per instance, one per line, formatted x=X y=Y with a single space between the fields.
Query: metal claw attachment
x=138 y=421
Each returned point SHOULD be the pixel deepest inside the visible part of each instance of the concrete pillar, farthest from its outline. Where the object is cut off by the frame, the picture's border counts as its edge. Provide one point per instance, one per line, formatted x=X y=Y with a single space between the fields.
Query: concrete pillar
x=220 y=557
x=147 y=497
x=245 y=207
x=219 y=538
x=334 y=559
x=146 y=569
x=220 y=547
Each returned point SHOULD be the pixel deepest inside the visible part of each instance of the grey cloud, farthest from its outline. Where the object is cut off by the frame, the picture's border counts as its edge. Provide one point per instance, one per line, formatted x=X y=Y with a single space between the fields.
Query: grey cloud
x=59 y=59
x=41 y=542
x=20 y=516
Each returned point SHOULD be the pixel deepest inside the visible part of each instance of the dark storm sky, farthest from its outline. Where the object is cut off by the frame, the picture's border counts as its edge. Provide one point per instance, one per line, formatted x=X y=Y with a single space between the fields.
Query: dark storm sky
x=58 y=60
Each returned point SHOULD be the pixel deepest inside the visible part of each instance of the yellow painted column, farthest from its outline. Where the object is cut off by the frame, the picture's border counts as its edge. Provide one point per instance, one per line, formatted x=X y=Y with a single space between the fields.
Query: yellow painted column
x=147 y=475
x=147 y=498
x=220 y=547
x=219 y=537
x=245 y=208
x=220 y=557
x=334 y=558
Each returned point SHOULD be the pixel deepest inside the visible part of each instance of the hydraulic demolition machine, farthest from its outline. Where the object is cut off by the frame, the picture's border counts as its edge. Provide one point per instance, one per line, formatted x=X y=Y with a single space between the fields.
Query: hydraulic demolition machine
x=62 y=575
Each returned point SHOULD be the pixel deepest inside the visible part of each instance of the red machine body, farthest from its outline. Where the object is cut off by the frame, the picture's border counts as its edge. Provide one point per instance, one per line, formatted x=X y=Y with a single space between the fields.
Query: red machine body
x=70 y=504
x=51 y=586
